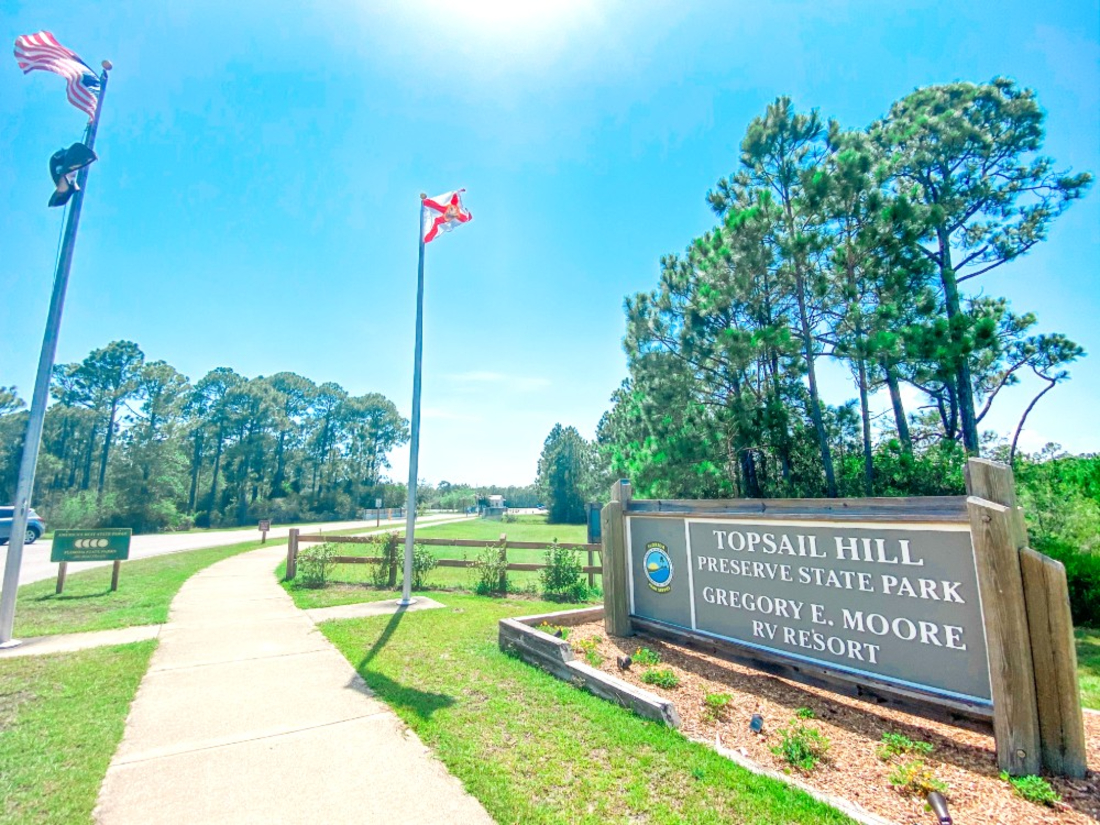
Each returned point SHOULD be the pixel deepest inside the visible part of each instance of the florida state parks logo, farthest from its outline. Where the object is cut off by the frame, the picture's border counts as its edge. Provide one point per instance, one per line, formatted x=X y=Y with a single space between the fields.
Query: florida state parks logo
x=658 y=567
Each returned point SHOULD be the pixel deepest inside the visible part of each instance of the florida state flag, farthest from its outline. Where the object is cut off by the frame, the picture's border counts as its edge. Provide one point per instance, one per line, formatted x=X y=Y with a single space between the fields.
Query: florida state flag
x=442 y=214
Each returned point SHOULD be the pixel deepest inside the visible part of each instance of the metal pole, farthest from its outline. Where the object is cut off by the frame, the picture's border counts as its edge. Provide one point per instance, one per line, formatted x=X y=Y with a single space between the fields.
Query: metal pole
x=414 y=447
x=32 y=440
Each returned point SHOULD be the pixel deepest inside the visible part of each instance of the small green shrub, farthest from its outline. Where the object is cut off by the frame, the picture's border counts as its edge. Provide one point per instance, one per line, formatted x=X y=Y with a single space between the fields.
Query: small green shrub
x=914 y=777
x=383 y=573
x=554 y=630
x=492 y=572
x=509 y=518
x=646 y=657
x=589 y=649
x=716 y=706
x=1034 y=789
x=896 y=744
x=801 y=746
x=315 y=565
x=664 y=678
x=424 y=561
x=561 y=578
x=805 y=713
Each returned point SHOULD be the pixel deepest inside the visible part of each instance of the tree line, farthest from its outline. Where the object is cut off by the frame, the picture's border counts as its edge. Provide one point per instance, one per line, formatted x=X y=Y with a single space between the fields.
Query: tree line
x=135 y=443
x=872 y=248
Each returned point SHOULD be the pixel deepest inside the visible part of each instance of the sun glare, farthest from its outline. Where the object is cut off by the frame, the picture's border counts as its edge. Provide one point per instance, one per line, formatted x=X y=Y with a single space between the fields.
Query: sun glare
x=515 y=16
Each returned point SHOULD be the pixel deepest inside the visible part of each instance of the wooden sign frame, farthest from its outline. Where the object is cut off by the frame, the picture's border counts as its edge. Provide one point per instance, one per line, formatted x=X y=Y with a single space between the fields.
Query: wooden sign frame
x=1037 y=723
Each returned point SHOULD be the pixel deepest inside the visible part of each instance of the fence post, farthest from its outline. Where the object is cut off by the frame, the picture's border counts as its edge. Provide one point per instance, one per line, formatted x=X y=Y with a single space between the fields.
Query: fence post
x=292 y=554
x=1011 y=670
x=502 y=584
x=615 y=575
x=1050 y=630
x=591 y=575
x=390 y=554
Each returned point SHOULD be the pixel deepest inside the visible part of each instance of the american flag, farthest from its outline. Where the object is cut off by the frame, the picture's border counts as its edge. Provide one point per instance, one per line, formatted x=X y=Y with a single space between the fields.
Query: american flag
x=42 y=51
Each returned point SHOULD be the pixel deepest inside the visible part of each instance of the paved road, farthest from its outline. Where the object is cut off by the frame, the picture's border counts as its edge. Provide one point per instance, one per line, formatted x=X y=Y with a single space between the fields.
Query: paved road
x=37 y=565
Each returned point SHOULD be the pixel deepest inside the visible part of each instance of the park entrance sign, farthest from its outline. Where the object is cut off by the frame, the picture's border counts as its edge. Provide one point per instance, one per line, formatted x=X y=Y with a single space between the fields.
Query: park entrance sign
x=104 y=544
x=108 y=544
x=935 y=605
x=892 y=601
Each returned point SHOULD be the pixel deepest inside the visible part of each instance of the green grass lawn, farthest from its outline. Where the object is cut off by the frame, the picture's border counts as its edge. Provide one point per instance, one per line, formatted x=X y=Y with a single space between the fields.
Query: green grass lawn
x=61 y=719
x=525 y=528
x=145 y=589
x=533 y=749
x=1088 y=666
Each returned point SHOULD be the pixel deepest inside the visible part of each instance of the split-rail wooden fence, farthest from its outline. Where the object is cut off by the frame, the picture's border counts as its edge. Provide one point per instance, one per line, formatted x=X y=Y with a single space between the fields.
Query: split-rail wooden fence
x=501 y=545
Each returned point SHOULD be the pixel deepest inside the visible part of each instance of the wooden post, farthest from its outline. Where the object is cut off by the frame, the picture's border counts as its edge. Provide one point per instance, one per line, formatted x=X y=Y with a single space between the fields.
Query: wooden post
x=62 y=570
x=390 y=554
x=502 y=583
x=292 y=554
x=591 y=575
x=615 y=573
x=1011 y=671
x=1050 y=627
x=1061 y=721
x=116 y=568
x=995 y=482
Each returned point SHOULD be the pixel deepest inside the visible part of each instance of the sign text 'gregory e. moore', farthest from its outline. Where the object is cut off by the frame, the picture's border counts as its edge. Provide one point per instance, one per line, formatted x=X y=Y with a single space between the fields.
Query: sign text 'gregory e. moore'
x=896 y=601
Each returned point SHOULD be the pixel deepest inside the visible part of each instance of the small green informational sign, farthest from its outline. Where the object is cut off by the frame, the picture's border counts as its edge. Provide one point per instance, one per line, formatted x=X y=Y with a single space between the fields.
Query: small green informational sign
x=108 y=544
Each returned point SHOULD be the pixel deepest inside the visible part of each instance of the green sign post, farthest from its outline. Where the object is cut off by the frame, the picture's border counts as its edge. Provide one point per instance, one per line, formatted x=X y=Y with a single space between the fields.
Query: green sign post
x=108 y=544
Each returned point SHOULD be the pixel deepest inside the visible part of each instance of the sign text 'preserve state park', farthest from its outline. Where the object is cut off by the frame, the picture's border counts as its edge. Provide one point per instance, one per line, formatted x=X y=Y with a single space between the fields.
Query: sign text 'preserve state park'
x=895 y=601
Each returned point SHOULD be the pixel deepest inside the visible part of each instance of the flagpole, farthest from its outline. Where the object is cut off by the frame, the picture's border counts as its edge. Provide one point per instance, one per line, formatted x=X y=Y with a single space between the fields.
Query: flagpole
x=33 y=439
x=414 y=447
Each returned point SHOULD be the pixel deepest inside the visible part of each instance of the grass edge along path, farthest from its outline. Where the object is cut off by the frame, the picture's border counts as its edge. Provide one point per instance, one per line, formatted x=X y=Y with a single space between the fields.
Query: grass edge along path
x=61 y=719
x=534 y=749
x=145 y=591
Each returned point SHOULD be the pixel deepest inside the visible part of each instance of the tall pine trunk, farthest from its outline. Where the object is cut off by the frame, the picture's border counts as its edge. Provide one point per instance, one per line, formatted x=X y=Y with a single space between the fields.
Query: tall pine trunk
x=865 y=414
x=964 y=393
x=217 y=468
x=808 y=353
x=900 y=420
x=106 y=451
x=196 y=461
x=89 y=454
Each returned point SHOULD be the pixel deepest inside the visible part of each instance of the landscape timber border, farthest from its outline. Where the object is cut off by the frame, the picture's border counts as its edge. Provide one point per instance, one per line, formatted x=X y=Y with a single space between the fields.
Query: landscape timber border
x=522 y=637
x=1037 y=722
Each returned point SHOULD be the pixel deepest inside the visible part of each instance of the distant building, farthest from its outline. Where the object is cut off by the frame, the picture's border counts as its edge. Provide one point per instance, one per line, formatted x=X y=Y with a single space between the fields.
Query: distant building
x=493 y=507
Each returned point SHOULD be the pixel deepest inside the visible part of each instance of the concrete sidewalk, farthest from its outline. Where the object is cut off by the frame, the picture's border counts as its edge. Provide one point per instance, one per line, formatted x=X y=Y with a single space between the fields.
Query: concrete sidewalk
x=248 y=714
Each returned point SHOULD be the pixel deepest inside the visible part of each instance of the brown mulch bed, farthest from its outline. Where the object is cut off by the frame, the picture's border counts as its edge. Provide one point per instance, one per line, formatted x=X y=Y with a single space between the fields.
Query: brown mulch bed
x=964 y=759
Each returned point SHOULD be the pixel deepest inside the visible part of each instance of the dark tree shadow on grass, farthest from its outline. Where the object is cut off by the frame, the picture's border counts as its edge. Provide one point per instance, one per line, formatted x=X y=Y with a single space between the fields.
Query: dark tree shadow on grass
x=396 y=695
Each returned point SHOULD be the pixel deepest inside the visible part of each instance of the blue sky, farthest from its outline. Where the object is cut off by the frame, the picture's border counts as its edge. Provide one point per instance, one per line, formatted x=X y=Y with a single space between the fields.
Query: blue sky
x=255 y=204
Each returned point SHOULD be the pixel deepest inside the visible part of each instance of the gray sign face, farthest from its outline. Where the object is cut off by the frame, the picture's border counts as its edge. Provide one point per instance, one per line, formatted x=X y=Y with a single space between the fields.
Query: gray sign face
x=895 y=601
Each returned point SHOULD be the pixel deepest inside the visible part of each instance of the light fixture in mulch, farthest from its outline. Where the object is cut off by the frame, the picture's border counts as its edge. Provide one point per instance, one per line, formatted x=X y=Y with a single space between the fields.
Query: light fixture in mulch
x=938 y=804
